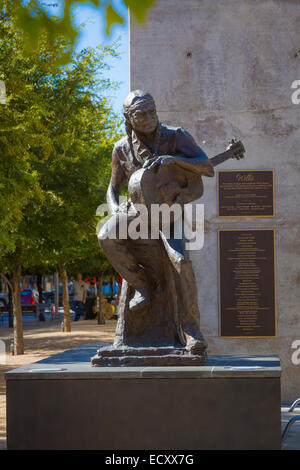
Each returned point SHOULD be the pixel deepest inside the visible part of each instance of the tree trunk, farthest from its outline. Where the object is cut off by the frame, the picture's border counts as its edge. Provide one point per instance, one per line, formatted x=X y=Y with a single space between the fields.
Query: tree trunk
x=10 y=305
x=17 y=309
x=100 y=316
x=40 y=291
x=40 y=287
x=65 y=296
x=7 y=280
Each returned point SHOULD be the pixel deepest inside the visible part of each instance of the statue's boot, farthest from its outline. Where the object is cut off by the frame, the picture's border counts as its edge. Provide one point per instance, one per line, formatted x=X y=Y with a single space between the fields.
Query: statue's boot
x=140 y=300
x=196 y=345
x=195 y=342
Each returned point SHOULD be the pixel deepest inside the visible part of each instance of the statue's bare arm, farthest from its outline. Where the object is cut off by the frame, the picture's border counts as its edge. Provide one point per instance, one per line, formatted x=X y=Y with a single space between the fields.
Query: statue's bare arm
x=200 y=164
x=117 y=181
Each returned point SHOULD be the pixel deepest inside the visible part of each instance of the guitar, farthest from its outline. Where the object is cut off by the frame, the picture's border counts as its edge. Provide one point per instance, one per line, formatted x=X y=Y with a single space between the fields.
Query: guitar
x=173 y=184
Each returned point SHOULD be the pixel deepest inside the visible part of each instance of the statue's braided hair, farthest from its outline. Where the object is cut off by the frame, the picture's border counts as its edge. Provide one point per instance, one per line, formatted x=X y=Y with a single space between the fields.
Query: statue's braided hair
x=128 y=129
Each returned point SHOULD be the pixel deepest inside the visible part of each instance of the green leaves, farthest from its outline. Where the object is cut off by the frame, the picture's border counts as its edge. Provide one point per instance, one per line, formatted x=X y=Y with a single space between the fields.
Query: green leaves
x=112 y=17
x=139 y=8
x=35 y=19
x=57 y=131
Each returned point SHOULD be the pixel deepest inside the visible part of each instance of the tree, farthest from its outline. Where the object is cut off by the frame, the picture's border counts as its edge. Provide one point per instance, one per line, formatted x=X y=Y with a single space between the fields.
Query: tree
x=82 y=131
x=18 y=118
x=20 y=128
x=56 y=137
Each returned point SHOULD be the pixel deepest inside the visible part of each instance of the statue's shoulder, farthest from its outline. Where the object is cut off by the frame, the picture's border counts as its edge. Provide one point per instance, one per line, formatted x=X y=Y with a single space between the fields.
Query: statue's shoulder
x=171 y=133
x=170 y=130
x=177 y=131
x=121 y=147
x=169 y=137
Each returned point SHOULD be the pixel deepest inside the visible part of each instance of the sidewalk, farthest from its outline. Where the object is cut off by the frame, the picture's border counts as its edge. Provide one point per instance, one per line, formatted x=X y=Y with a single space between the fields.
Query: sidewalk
x=43 y=339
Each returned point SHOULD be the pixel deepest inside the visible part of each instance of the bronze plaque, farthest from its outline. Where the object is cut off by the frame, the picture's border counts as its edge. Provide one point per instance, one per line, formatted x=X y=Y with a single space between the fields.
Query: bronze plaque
x=246 y=193
x=247 y=283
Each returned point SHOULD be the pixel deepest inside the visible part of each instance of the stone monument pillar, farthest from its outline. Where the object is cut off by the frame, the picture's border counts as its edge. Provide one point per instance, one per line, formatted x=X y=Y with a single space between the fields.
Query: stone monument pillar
x=222 y=69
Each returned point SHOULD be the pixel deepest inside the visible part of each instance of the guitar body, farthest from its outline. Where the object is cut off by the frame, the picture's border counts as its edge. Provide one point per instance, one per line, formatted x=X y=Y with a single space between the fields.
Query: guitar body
x=170 y=185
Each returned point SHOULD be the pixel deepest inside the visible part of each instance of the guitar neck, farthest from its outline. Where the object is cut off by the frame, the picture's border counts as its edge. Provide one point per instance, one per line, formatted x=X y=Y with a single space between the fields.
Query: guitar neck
x=221 y=157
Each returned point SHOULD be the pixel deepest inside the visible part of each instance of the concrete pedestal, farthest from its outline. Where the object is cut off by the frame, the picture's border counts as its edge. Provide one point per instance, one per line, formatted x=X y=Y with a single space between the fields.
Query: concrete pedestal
x=232 y=402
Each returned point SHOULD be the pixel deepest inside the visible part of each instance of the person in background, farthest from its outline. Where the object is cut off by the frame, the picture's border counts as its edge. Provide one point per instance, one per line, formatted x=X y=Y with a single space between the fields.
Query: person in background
x=79 y=291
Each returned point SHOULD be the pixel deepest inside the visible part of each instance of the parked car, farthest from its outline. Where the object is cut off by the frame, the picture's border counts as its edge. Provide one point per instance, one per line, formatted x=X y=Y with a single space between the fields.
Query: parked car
x=30 y=300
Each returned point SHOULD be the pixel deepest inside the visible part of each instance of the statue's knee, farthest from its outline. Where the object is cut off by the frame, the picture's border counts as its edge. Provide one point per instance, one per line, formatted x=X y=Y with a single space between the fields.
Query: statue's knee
x=104 y=238
x=102 y=234
x=102 y=242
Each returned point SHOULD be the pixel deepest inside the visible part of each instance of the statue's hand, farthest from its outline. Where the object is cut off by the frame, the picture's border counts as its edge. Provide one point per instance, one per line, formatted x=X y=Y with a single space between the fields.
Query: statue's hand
x=149 y=162
x=157 y=162
x=123 y=207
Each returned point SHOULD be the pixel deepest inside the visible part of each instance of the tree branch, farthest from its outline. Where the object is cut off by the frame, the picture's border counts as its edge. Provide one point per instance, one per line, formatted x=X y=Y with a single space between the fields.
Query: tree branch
x=6 y=280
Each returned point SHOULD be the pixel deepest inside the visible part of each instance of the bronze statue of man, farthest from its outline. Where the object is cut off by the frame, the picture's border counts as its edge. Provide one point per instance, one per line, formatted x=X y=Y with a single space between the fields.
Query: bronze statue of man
x=149 y=144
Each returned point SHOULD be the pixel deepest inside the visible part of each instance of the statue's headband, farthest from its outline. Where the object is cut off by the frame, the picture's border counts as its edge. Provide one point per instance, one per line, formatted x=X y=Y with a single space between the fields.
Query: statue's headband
x=137 y=102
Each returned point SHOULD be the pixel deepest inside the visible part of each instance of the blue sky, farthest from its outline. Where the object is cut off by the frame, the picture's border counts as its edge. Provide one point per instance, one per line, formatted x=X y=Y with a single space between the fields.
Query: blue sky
x=94 y=33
